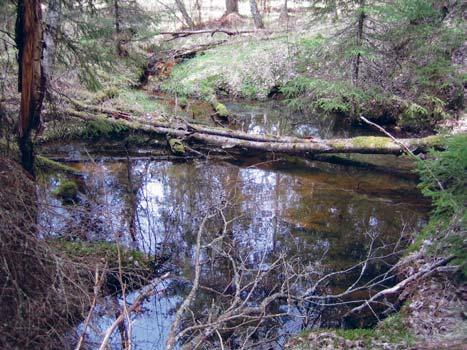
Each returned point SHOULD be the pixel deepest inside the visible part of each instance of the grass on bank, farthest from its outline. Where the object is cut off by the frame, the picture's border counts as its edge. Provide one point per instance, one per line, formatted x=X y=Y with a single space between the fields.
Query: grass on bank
x=248 y=69
x=391 y=330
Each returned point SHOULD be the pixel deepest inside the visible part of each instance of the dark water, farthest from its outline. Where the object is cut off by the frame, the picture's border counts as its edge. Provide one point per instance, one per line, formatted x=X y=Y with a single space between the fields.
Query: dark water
x=311 y=212
x=271 y=117
x=274 y=117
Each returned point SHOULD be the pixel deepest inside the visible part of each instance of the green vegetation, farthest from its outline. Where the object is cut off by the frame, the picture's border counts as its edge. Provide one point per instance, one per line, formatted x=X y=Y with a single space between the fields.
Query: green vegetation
x=107 y=250
x=136 y=266
x=412 y=81
x=67 y=190
x=249 y=69
x=391 y=330
x=177 y=147
x=138 y=100
x=221 y=110
x=103 y=128
x=329 y=97
x=443 y=180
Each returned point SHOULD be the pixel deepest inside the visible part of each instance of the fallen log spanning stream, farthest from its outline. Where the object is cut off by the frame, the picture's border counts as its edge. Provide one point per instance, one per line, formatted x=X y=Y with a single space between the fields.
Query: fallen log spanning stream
x=226 y=139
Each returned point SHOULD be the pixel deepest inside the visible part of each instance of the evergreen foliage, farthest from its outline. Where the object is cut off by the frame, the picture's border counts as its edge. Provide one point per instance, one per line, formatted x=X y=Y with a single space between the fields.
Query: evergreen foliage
x=391 y=60
x=443 y=180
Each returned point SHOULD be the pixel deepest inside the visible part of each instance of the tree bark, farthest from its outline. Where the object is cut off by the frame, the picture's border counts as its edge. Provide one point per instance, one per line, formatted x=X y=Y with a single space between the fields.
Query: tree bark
x=231 y=6
x=31 y=78
x=181 y=7
x=52 y=25
x=284 y=12
x=358 y=57
x=258 y=20
x=121 y=50
x=226 y=140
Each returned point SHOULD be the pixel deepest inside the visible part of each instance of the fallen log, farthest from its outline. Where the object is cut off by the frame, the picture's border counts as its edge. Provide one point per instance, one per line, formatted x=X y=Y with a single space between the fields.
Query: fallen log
x=229 y=140
x=185 y=33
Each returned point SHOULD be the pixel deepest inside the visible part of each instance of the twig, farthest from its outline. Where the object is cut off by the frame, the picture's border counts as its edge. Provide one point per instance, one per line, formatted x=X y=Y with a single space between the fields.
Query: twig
x=145 y=293
x=97 y=286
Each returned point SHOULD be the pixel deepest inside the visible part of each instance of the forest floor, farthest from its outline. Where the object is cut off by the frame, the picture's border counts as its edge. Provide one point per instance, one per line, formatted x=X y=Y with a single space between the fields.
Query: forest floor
x=433 y=316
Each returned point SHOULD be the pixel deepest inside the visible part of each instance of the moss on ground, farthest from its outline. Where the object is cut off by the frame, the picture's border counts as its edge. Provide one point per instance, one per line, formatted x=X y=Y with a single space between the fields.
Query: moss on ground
x=177 y=147
x=137 y=267
x=392 y=330
x=248 y=69
x=221 y=110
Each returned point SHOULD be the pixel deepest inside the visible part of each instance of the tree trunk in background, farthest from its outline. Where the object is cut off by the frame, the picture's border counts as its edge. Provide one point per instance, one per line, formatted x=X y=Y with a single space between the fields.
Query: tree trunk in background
x=198 y=7
x=231 y=6
x=121 y=51
x=256 y=15
x=52 y=24
x=31 y=80
x=181 y=7
x=284 y=11
x=358 y=58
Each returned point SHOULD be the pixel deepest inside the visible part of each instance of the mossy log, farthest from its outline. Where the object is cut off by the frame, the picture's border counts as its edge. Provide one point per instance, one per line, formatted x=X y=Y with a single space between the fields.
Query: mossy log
x=229 y=140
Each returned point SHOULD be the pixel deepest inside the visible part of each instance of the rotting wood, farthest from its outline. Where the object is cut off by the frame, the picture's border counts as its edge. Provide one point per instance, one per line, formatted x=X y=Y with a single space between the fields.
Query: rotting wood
x=229 y=140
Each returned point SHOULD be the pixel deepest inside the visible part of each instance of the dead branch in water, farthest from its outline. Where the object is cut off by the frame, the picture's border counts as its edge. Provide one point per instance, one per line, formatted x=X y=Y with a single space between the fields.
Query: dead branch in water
x=146 y=292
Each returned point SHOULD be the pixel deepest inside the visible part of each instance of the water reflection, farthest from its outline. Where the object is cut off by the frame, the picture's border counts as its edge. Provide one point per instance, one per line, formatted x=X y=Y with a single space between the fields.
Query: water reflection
x=274 y=117
x=329 y=212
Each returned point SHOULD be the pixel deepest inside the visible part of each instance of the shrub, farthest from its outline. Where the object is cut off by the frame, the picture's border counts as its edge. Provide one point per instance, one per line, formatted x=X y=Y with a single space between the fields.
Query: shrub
x=443 y=179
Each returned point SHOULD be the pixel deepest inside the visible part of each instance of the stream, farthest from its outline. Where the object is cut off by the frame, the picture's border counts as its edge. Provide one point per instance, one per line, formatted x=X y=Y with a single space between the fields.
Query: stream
x=313 y=211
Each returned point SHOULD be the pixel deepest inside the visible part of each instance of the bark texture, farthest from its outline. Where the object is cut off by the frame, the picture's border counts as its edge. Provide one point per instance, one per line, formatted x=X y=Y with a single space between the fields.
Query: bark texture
x=231 y=6
x=52 y=27
x=186 y=17
x=31 y=79
x=256 y=15
x=226 y=140
x=359 y=41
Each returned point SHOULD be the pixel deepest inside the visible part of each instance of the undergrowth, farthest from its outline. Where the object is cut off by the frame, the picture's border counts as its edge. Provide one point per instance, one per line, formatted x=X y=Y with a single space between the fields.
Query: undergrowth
x=248 y=69
x=443 y=180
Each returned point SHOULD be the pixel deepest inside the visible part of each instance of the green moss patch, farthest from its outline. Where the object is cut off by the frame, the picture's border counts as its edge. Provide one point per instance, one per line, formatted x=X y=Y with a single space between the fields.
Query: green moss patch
x=393 y=330
x=67 y=191
x=176 y=146
x=221 y=110
x=103 y=128
x=136 y=266
x=371 y=141
x=44 y=164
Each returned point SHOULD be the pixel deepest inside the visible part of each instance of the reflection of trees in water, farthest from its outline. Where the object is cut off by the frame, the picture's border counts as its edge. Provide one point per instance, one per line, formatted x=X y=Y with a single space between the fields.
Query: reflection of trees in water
x=297 y=217
x=276 y=213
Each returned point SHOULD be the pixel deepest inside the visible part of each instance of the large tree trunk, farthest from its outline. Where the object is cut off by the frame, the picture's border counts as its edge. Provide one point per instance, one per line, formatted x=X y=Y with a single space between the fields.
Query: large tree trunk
x=231 y=6
x=256 y=15
x=181 y=7
x=52 y=25
x=31 y=80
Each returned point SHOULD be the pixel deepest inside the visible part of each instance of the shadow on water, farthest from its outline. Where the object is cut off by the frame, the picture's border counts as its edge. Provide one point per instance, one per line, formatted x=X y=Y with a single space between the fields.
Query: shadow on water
x=320 y=212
